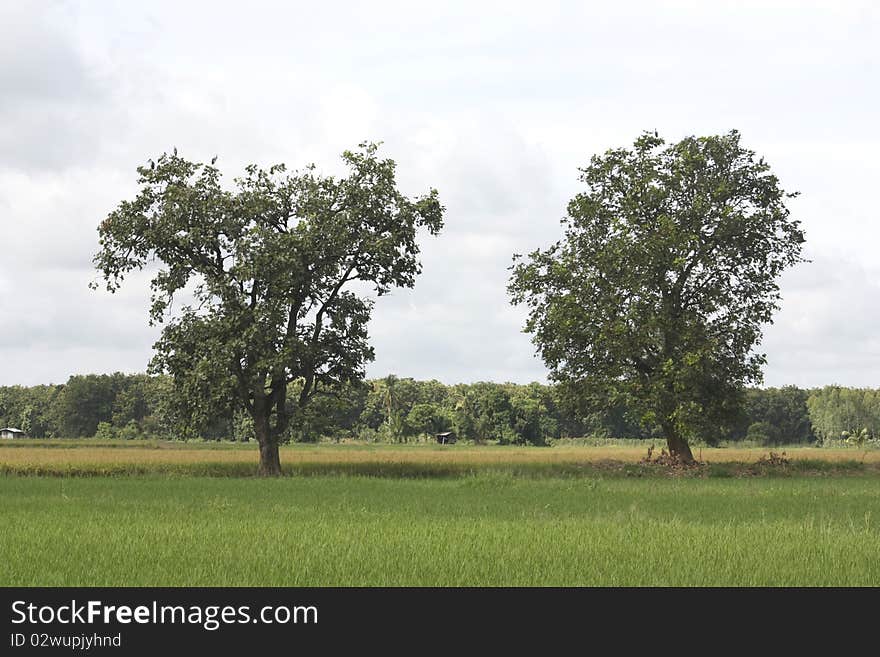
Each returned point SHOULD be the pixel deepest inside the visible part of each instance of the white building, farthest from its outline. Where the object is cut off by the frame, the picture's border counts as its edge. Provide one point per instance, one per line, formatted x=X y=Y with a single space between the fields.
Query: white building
x=10 y=432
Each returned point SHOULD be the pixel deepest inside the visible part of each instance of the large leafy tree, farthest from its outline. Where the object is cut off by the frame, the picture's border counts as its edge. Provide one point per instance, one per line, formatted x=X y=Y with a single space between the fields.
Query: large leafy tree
x=657 y=294
x=272 y=273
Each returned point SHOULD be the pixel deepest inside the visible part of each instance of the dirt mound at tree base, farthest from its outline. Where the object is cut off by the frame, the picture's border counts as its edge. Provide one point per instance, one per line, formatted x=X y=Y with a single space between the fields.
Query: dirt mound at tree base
x=671 y=461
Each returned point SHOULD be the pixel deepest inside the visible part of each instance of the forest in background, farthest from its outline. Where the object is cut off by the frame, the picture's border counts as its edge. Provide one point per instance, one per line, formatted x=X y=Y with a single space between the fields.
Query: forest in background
x=398 y=410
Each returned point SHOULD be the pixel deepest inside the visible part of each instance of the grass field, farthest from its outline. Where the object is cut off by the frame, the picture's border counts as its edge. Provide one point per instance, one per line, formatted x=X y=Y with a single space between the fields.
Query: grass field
x=72 y=458
x=433 y=516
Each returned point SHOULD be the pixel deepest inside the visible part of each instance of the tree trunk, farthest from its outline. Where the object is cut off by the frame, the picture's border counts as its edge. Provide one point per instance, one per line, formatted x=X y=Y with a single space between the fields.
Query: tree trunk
x=678 y=446
x=270 y=462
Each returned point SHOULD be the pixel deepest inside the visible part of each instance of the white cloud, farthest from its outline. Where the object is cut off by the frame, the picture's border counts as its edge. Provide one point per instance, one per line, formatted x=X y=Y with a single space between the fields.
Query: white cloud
x=828 y=330
x=495 y=104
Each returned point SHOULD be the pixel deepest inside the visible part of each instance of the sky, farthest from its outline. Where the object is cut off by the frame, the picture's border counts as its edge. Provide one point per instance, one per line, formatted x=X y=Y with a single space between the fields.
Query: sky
x=495 y=104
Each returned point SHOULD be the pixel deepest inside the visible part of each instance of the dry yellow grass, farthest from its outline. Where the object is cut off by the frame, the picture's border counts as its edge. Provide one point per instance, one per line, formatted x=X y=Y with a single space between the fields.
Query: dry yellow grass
x=20 y=456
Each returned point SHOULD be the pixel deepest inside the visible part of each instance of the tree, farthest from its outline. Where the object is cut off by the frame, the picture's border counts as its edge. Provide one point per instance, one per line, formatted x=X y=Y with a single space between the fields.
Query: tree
x=781 y=413
x=86 y=401
x=270 y=266
x=427 y=419
x=333 y=416
x=395 y=414
x=131 y=401
x=463 y=413
x=839 y=413
x=659 y=290
x=492 y=412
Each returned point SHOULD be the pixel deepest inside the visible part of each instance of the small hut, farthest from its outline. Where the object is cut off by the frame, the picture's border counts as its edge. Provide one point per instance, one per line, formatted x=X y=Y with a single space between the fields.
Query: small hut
x=11 y=432
x=446 y=438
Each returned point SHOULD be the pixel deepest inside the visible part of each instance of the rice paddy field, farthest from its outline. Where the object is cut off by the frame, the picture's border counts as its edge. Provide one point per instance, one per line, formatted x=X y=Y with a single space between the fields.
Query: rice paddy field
x=173 y=514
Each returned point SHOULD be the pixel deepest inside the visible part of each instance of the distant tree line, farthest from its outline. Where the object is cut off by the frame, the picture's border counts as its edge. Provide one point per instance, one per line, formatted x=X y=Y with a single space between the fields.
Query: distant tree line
x=400 y=410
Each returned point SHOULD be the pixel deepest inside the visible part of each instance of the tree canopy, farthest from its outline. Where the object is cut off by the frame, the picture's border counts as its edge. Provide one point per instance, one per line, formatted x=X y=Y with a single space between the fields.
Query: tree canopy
x=657 y=294
x=267 y=272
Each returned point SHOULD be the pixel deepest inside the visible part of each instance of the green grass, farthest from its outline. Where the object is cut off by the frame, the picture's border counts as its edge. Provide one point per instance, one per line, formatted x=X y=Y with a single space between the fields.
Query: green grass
x=473 y=530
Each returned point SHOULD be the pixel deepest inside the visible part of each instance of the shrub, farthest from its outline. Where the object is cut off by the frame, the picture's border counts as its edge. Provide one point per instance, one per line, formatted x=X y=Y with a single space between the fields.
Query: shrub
x=130 y=431
x=762 y=433
x=105 y=431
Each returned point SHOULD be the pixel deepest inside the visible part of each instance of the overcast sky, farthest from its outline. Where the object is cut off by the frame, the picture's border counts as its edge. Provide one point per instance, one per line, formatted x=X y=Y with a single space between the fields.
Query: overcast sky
x=496 y=104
